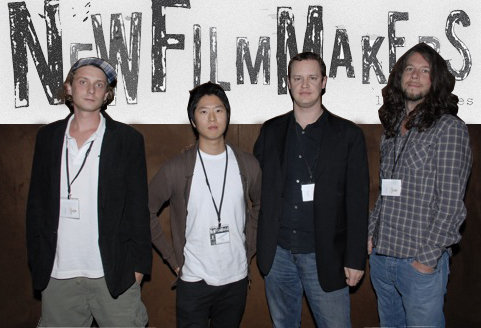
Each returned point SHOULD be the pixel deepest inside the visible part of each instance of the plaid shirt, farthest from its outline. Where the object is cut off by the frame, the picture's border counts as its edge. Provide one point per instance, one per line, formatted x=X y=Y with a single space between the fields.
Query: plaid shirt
x=434 y=166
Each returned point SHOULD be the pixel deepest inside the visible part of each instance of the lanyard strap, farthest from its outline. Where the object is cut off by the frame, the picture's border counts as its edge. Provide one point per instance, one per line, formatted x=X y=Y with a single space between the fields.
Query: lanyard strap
x=69 y=184
x=219 y=209
x=398 y=156
x=311 y=176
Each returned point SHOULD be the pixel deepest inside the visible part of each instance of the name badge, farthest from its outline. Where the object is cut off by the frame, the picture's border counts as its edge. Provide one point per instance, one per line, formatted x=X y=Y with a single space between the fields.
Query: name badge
x=307 y=192
x=391 y=187
x=219 y=235
x=69 y=208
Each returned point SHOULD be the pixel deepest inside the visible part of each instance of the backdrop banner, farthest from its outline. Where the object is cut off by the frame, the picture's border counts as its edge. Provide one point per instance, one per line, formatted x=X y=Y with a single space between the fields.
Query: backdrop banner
x=163 y=48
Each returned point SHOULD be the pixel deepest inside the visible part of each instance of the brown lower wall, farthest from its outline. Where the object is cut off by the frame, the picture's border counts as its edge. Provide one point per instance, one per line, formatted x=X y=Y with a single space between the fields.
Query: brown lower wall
x=19 y=307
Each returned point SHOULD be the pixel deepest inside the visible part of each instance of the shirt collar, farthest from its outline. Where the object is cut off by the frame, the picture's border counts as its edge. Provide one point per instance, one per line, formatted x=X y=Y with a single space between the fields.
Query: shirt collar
x=319 y=123
x=99 y=132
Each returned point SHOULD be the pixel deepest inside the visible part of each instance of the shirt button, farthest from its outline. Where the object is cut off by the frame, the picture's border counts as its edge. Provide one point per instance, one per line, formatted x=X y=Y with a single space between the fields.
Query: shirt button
x=300 y=156
x=295 y=207
x=303 y=132
x=297 y=181
x=294 y=231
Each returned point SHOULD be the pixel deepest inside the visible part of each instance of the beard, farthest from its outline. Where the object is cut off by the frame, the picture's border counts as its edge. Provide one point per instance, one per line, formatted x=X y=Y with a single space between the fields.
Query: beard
x=411 y=96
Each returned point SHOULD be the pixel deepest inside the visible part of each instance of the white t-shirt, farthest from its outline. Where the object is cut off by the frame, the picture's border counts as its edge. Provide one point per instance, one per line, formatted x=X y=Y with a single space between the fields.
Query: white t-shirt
x=78 y=253
x=219 y=264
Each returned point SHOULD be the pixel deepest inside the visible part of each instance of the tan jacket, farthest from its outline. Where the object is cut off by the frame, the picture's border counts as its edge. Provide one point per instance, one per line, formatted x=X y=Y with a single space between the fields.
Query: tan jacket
x=172 y=184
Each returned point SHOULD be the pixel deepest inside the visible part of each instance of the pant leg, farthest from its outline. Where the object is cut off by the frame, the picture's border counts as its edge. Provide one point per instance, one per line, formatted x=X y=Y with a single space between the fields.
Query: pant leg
x=64 y=304
x=284 y=291
x=229 y=305
x=127 y=310
x=330 y=309
x=423 y=294
x=193 y=303
x=389 y=302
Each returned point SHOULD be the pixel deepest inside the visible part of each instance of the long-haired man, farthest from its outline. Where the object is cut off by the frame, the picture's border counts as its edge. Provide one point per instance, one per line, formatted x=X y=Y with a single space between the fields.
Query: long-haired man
x=425 y=164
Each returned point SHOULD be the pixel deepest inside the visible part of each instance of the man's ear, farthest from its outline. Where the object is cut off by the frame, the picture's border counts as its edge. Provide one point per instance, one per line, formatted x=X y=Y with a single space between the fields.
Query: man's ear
x=105 y=96
x=324 y=82
x=68 y=88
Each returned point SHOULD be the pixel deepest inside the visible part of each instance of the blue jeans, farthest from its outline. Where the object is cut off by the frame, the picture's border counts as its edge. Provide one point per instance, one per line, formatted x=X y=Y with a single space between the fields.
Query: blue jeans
x=405 y=296
x=290 y=276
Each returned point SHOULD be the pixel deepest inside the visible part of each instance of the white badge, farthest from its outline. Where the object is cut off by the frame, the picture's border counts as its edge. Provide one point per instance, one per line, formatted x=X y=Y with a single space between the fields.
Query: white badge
x=307 y=192
x=219 y=235
x=391 y=187
x=69 y=208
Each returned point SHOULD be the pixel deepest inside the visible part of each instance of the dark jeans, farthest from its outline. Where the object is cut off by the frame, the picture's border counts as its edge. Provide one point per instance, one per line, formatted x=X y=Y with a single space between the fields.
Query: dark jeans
x=198 y=302
x=290 y=276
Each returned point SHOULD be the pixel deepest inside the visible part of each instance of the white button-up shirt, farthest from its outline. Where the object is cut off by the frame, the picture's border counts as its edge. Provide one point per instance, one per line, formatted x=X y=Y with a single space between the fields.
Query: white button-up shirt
x=78 y=253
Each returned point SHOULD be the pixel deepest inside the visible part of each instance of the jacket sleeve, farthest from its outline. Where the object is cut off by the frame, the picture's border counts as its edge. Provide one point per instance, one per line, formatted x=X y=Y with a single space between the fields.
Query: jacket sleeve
x=255 y=197
x=357 y=202
x=259 y=147
x=160 y=192
x=137 y=207
x=34 y=203
x=374 y=215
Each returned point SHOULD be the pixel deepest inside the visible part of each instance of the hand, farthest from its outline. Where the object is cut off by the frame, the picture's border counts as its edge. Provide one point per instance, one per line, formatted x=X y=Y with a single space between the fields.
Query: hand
x=353 y=276
x=422 y=267
x=369 y=245
x=138 y=277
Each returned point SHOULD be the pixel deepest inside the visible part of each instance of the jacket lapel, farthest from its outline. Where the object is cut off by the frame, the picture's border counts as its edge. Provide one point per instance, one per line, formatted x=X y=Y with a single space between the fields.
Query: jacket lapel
x=280 y=143
x=328 y=144
x=107 y=153
x=58 y=141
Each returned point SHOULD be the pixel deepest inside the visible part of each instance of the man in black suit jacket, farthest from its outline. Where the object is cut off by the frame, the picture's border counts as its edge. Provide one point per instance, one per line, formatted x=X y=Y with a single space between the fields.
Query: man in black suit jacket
x=88 y=234
x=312 y=229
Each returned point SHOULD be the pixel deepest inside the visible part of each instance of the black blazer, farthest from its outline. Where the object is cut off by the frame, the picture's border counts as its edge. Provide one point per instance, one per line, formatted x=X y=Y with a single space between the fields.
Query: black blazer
x=341 y=197
x=123 y=215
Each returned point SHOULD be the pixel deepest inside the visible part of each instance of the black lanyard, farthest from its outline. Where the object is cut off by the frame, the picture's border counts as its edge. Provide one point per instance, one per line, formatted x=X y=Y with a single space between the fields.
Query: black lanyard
x=397 y=157
x=69 y=184
x=311 y=176
x=217 y=210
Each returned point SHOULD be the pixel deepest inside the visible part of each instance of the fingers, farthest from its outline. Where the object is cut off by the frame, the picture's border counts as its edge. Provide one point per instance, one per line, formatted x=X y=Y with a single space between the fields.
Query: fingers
x=422 y=268
x=352 y=281
x=139 y=276
x=353 y=276
x=369 y=245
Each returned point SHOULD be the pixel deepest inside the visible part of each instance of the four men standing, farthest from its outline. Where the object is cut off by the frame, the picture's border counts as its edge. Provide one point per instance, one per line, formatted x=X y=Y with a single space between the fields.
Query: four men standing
x=88 y=236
